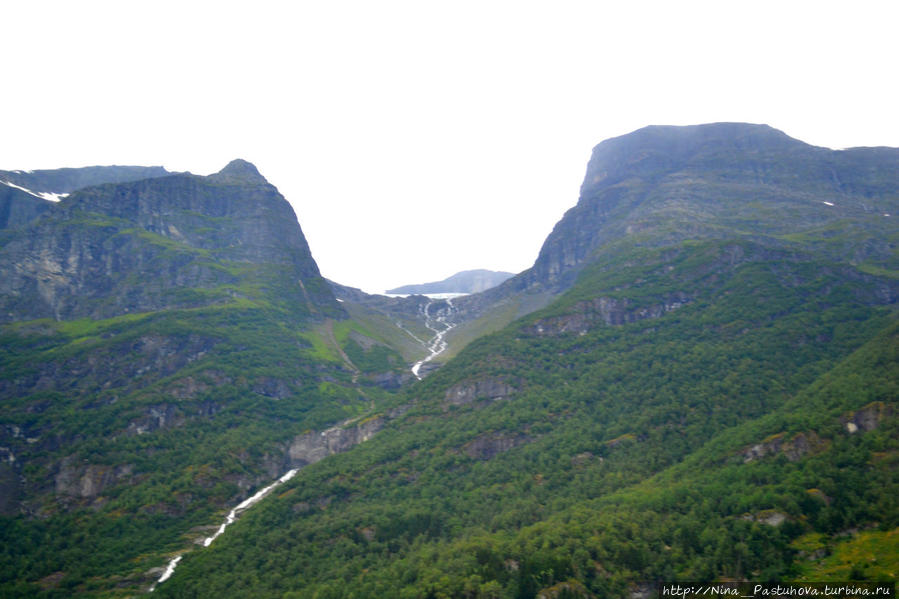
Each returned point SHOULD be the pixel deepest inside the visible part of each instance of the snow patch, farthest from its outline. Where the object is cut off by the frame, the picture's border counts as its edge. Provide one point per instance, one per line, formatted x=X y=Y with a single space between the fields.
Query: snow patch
x=53 y=197
x=828 y=203
x=44 y=195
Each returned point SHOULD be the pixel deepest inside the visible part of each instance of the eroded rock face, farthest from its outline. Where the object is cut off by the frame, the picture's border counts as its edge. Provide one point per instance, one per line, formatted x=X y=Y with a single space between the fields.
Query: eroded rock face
x=156 y=417
x=794 y=449
x=88 y=480
x=490 y=388
x=868 y=418
x=315 y=446
x=607 y=310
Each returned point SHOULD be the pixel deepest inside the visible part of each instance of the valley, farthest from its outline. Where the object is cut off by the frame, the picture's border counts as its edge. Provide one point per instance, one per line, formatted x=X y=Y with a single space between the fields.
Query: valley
x=696 y=380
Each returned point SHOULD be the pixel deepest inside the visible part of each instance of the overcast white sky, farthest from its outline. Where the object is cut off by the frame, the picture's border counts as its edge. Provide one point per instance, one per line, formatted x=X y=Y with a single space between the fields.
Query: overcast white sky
x=416 y=139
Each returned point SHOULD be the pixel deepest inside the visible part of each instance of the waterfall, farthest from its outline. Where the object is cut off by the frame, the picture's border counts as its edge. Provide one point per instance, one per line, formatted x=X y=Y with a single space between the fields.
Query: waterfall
x=440 y=325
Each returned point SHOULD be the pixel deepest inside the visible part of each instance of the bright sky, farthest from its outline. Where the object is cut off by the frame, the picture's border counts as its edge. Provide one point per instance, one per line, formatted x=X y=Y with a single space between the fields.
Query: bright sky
x=416 y=139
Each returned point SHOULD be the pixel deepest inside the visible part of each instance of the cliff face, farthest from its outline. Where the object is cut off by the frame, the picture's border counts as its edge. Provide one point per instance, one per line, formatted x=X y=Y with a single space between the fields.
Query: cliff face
x=664 y=184
x=175 y=241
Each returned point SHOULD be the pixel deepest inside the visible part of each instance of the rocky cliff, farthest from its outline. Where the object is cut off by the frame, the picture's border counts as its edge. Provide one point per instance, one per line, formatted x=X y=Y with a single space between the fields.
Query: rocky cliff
x=174 y=241
x=663 y=185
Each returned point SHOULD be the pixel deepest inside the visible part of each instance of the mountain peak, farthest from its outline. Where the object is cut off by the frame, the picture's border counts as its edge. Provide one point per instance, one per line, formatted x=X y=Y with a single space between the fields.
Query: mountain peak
x=239 y=171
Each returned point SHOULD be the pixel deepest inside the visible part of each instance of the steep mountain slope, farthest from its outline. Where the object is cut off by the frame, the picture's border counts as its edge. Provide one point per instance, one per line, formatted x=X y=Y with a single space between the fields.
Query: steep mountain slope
x=163 y=352
x=467 y=281
x=661 y=185
x=712 y=392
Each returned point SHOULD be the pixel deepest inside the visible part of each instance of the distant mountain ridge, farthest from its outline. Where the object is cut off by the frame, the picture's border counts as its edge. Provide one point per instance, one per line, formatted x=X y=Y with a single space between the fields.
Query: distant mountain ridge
x=466 y=281
x=25 y=195
x=67 y=180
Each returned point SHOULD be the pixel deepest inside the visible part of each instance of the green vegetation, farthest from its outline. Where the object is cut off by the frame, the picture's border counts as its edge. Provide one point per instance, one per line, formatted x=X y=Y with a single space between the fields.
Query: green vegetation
x=698 y=380
x=620 y=459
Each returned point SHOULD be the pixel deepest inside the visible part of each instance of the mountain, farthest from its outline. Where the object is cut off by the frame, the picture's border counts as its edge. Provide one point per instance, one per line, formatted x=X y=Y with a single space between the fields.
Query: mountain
x=663 y=185
x=696 y=381
x=166 y=345
x=467 y=281
x=189 y=240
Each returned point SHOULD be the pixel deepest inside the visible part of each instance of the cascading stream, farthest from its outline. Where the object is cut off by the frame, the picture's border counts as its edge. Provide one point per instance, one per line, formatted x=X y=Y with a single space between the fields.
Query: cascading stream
x=441 y=326
x=232 y=516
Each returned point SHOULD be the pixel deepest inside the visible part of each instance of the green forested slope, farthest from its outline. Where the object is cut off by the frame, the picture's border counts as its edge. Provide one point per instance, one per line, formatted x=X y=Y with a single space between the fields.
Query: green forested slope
x=707 y=392
x=179 y=355
x=607 y=455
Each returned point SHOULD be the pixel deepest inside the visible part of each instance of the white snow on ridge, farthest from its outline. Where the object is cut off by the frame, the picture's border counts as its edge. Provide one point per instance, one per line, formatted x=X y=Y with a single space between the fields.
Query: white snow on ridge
x=53 y=197
x=44 y=195
x=828 y=203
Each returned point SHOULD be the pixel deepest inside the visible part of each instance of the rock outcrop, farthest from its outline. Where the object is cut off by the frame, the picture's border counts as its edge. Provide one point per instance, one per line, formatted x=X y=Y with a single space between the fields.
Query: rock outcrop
x=489 y=388
x=867 y=418
x=315 y=446
x=607 y=310
x=794 y=448
x=88 y=480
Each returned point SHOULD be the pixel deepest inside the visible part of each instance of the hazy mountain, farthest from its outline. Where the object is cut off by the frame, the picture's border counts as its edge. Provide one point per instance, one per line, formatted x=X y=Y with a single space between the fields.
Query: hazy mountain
x=467 y=281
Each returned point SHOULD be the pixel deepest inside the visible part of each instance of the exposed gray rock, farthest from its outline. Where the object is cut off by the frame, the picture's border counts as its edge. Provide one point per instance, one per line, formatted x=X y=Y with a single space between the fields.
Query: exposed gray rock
x=868 y=418
x=88 y=480
x=156 y=417
x=795 y=448
x=315 y=446
x=607 y=310
x=491 y=388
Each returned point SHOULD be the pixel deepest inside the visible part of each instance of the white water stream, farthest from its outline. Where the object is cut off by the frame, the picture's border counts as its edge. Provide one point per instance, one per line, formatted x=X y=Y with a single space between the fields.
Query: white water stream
x=441 y=326
x=229 y=519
